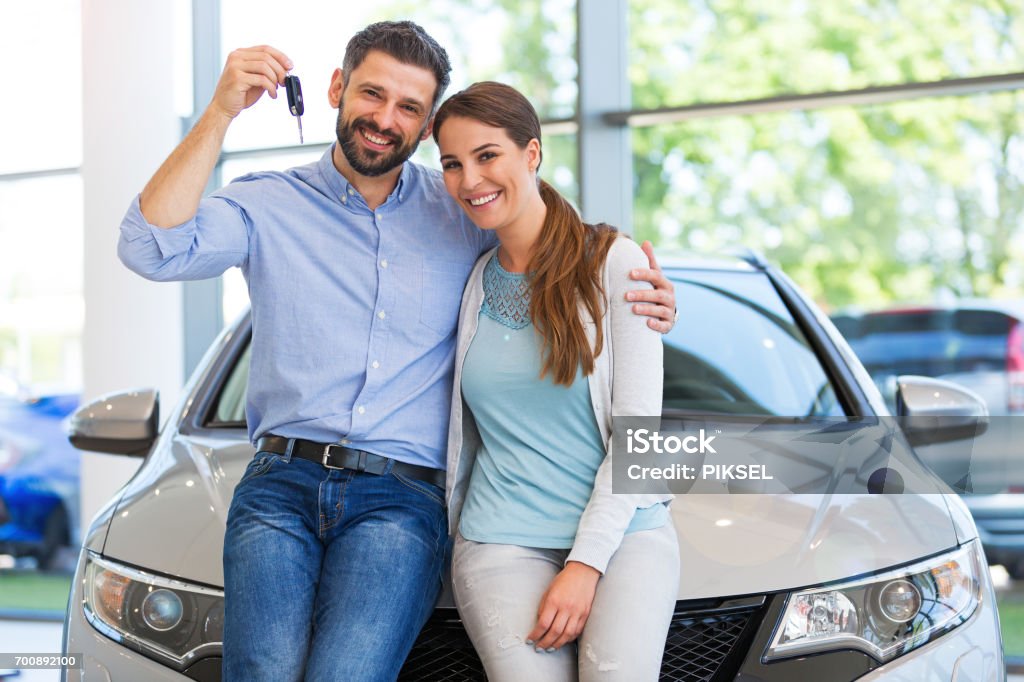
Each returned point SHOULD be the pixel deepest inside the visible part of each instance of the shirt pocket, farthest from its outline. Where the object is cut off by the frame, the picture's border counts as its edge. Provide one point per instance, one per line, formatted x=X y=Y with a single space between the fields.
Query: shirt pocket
x=441 y=286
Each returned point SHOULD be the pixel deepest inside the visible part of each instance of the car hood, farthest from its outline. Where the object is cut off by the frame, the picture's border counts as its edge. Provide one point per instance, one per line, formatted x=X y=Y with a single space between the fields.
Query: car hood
x=172 y=516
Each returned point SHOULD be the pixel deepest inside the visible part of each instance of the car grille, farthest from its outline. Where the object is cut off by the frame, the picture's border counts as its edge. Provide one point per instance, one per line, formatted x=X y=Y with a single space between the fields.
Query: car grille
x=442 y=653
x=702 y=641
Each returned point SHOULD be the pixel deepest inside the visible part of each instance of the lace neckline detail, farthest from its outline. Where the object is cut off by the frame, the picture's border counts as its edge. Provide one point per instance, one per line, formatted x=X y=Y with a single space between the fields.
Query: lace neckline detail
x=506 y=295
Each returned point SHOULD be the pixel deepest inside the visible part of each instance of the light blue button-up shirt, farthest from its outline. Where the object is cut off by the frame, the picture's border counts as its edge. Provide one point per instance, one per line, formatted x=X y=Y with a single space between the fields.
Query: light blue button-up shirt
x=354 y=311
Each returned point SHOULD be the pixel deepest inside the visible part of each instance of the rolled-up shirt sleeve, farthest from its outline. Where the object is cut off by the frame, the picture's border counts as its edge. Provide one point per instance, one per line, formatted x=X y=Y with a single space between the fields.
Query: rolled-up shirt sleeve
x=215 y=239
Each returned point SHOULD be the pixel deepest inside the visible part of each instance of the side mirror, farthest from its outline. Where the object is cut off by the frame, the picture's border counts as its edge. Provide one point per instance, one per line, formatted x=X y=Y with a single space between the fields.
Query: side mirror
x=937 y=411
x=120 y=423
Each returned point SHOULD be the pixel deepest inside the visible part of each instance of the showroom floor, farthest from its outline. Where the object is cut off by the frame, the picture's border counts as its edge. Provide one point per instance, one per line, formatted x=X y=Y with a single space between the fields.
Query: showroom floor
x=31 y=637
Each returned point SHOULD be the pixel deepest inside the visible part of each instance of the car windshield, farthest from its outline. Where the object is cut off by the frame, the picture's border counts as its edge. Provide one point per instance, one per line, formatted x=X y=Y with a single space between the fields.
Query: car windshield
x=735 y=350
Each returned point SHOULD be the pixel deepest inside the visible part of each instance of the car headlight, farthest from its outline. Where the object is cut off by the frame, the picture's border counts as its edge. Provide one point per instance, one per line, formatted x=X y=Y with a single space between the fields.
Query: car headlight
x=172 y=621
x=884 y=615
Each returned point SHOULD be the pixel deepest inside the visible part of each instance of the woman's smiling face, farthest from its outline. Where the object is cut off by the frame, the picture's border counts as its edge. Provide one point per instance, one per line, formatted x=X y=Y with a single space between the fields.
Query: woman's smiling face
x=492 y=178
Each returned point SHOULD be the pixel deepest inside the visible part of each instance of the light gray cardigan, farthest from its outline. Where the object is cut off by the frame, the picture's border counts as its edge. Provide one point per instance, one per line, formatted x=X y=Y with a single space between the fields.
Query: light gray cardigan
x=626 y=381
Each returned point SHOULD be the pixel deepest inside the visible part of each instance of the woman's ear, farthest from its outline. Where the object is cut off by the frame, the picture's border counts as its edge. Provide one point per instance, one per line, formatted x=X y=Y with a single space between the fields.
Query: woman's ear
x=336 y=89
x=533 y=154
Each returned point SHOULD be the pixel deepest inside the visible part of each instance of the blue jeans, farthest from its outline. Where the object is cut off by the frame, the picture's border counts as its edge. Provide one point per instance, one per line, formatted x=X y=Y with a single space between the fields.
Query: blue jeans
x=328 y=574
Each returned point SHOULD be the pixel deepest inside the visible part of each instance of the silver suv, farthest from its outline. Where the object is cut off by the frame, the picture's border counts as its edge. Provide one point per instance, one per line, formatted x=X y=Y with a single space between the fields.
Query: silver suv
x=773 y=587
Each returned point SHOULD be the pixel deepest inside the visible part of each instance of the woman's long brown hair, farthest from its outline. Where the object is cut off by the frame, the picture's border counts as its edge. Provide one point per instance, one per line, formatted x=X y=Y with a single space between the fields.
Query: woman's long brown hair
x=565 y=268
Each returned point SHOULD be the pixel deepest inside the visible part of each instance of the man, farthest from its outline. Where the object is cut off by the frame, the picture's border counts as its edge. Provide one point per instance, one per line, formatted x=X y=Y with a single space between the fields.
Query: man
x=355 y=266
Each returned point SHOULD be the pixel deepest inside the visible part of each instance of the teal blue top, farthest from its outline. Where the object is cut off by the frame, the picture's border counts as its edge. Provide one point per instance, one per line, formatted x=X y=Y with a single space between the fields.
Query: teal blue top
x=541 y=446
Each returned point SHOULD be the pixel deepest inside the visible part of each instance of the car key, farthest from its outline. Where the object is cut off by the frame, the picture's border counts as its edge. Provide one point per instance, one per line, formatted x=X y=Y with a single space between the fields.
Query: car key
x=294 y=90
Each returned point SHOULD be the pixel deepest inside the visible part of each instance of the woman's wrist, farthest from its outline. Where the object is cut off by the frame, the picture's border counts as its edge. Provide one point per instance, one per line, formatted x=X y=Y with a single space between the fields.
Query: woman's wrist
x=582 y=570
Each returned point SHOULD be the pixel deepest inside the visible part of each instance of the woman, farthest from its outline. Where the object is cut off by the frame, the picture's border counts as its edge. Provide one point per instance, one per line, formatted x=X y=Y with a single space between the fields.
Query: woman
x=545 y=554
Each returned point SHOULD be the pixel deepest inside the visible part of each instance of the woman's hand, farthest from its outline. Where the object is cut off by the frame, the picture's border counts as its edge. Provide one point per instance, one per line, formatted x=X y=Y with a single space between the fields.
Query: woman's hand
x=565 y=607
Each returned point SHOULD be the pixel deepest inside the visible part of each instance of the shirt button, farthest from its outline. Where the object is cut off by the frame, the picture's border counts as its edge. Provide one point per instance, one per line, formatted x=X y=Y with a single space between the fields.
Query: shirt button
x=361 y=410
x=351 y=191
x=381 y=315
x=375 y=364
x=345 y=441
x=378 y=216
x=384 y=263
x=344 y=199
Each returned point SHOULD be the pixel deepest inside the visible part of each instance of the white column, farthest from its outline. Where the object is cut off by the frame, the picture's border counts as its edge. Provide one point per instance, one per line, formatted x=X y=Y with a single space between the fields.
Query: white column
x=133 y=328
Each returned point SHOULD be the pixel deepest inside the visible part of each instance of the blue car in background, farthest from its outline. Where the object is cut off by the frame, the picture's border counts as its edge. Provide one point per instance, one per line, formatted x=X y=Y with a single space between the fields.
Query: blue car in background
x=975 y=343
x=39 y=476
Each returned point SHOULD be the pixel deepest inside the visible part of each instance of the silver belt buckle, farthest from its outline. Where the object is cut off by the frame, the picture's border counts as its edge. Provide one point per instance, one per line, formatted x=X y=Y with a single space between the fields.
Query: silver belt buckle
x=327 y=455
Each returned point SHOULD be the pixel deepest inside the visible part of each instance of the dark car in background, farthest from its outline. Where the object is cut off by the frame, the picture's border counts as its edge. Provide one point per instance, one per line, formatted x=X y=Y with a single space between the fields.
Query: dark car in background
x=978 y=344
x=39 y=475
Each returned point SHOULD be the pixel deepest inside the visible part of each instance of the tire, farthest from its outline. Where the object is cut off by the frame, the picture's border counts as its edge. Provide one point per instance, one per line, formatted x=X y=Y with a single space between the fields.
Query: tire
x=1015 y=569
x=56 y=534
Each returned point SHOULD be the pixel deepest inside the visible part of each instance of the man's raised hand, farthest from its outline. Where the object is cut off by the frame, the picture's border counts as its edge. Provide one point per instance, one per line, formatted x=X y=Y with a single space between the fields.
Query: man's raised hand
x=248 y=73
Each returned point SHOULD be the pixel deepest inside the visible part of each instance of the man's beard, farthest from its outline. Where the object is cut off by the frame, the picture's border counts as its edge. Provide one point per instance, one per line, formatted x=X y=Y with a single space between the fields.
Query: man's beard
x=369 y=162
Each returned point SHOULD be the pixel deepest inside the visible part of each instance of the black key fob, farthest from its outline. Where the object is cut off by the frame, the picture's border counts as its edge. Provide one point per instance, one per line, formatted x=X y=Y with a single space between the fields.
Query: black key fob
x=294 y=90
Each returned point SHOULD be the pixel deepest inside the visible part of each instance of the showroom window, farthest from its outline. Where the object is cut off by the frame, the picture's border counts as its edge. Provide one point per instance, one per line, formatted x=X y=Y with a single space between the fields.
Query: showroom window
x=864 y=189
x=691 y=52
x=861 y=205
x=41 y=303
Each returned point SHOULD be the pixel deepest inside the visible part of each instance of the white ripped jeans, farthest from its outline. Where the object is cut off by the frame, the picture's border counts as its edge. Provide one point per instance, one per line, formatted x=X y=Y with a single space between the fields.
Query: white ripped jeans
x=498 y=589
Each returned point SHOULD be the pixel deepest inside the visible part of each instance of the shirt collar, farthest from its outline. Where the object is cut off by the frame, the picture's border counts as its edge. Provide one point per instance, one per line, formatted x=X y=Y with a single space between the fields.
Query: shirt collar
x=340 y=185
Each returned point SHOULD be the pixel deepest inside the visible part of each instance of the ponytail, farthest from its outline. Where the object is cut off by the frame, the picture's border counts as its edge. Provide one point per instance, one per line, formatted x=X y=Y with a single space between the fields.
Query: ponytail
x=565 y=271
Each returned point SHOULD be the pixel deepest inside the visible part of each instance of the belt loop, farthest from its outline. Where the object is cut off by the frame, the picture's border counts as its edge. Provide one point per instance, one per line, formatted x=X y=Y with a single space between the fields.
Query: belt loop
x=288 y=450
x=362 y=460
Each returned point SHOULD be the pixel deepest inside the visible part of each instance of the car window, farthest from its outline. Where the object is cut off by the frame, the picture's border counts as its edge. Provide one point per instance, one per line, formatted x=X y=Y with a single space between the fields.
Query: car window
x=229 y=410
x=737 y=350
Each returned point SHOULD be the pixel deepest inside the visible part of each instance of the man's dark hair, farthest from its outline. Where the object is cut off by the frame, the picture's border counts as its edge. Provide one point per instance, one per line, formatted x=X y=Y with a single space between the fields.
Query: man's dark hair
x=405 y=41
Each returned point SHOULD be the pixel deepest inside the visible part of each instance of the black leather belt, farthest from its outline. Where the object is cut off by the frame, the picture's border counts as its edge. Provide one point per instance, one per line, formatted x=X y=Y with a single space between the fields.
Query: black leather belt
x=335 y=456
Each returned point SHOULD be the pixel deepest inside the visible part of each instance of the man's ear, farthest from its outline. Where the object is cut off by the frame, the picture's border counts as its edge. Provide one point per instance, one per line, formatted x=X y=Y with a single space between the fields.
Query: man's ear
x=336 y=89
x=428 y=130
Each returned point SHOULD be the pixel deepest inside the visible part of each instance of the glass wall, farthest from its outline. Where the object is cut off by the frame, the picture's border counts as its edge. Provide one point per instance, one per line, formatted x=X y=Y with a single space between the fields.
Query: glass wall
x=690 y=51
x=921 y=200
x=41 y=123
x=41 y=304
